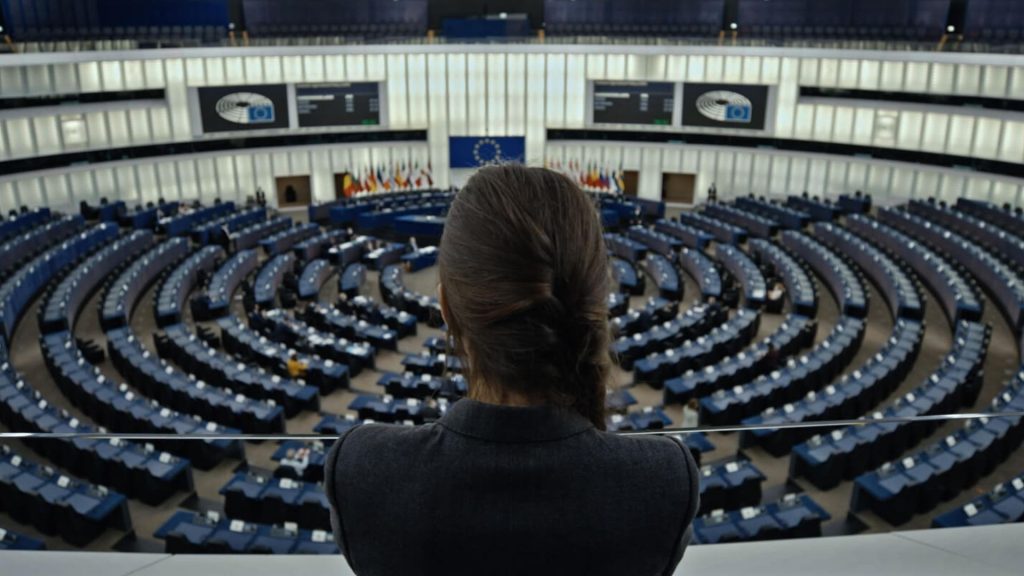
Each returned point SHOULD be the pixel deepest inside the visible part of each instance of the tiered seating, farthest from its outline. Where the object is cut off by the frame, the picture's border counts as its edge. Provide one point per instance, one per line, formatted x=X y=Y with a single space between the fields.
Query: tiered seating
x=336 y=425
x=247 y=345
x=701 y=268
x=13 y=541
x=58 y=504
x=664 y=244
x=300 y=460
x=723 y=340
x=793 y=334
x=729 y=485
x=626 y=276
x=16 y=250
x=656 y=310
x=123 y=294
x=785 y=216
x=841 y=280
x=1002 y=505
x=250 y=236
x=257 y=498
x=626 y=248
x=270 y=276
x=855 y=203
x=216 y=299
x=690 y=236
x=1009 y=220
x=183 y=224
x=958 y=295
x=317 y=246
x=136 y=470
x=283 y=328
x=646 y=418
x=154 y=377
x=286 y=239
x=918 y=482
x=753 y=223
x=351 y=280
x=420 y=258
x=195 y=533
x=119 y=408
x=380 y=255
x=14 y=227
x=695 y=321
x=998 y=278
x=1000 y=243
x=314 y=276
x=849 y=397
x=330 y=319
x=424 y=385
x=826 y=459
x=393 y=292
x=401 y=410
x=798 y=376
x=795 y=516
x=897 y=288
x=803 y=295
x=724 y=232
x=174 y=291
x=749 y=275
x=22 y=286
x=181 y=346
x=350 y=252
x=661 y=270
x=431 y=363
x=67 y=298
x=818 y=210
x=212 y=231
x=366 y=308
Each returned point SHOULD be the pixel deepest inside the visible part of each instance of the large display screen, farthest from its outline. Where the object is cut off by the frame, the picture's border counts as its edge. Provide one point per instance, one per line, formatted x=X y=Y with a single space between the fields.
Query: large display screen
x=235 y=108
x=740 y=106
x=649 y=103
x=339 y=104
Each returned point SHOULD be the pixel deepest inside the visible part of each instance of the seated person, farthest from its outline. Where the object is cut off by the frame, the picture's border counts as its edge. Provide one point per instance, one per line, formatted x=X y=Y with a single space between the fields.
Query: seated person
x=521 y=473
x=296 y=368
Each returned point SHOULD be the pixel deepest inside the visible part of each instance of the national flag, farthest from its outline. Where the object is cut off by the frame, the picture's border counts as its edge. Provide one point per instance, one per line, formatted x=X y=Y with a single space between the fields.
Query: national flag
x=371 y=181
x=347 y=187
x=399 y=177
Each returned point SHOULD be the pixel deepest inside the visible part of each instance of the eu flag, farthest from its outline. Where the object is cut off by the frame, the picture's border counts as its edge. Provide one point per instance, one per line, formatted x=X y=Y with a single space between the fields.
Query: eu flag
x=476 y=151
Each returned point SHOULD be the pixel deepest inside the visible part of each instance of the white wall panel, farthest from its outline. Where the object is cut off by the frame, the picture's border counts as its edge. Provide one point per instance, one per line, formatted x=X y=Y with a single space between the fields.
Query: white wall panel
x=576 y=85
x=416 y=67
x=272 y=69
x=961 y=135
x=458 y=124
x=46 y=135
x=933 y=138
x=37 y=80
x=994 y=81
x=555 y=91
x=476 y=93
x=398 y=91
x=968 y=79
x=941 y=78
x=1012 y=145
x=496 y=96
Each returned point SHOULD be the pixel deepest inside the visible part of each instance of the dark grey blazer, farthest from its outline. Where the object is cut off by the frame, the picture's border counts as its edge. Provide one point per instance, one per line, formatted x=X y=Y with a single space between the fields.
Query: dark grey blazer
x=502 y=490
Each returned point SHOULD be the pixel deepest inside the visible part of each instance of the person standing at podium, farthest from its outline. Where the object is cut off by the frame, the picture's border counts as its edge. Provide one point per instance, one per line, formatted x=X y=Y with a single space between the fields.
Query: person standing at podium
x=520 y=477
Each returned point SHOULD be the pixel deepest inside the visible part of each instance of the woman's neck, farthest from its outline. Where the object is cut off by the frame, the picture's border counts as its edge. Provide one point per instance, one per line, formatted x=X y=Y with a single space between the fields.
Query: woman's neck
x=500 y=396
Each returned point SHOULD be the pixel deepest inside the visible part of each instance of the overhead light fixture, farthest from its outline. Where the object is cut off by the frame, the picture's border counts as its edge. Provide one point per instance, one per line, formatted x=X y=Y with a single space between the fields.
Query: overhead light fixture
x=950 y=28
x=733 y=26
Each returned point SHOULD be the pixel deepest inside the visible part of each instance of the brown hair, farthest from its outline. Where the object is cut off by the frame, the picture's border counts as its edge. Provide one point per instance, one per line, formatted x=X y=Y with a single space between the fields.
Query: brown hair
x=525 y=280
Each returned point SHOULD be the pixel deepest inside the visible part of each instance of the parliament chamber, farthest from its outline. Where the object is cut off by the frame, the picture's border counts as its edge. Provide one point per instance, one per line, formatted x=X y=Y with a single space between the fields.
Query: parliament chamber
x=812 y=217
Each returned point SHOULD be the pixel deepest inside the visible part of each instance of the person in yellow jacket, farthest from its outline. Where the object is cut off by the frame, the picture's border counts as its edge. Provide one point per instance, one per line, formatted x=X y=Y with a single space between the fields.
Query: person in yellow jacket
x=296 y=368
